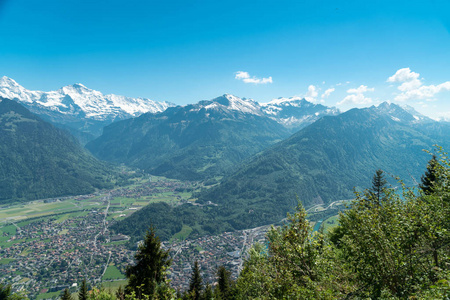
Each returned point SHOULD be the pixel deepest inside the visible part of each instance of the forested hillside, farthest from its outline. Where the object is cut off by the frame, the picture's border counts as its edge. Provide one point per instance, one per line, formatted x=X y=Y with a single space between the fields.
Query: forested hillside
x=38 y=160
x=192 y=142
x=325 y=161
x=322 y=163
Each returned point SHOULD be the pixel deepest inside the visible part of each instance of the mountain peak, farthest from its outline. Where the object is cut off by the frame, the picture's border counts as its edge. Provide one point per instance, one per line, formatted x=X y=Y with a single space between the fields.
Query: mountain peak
x=401 y=113
x=286 y=101
x=84 y=101
x=235 y=103
x=77 y=88
x=8 y=82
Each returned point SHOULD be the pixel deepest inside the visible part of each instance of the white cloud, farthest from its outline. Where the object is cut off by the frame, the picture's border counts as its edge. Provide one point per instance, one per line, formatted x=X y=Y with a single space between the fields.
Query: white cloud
x=355 y=99
x=245 y=77
x=242 y=75
x=411 y=86
x=327 y=93
x=403 y=75
x=356 y=96
x=444 y=116
x=424 y=92
x=361 y=89
x=410 y=80
x=312 y=94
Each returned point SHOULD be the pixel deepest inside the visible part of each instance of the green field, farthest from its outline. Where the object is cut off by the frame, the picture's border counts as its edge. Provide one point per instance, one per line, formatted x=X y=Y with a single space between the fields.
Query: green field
x=330 y=223
x=114 y=285
x=182 y=234
x=5 y=261
x=49 y=295
x=9 y=229
x=112 y=273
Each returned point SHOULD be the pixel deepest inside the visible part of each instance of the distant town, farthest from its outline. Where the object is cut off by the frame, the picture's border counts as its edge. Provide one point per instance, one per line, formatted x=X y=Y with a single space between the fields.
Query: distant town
x=42 y=255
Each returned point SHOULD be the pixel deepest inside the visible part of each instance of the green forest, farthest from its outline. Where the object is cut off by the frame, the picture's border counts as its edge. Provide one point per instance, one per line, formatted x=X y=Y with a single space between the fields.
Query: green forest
x=42 y=161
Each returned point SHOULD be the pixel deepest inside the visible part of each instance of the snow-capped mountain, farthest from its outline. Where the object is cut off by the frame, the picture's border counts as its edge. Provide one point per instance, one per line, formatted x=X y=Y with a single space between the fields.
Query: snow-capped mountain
x=404 y=113
x=78 y=107
x=76 y=99
x=295 y=112
x=232 y=103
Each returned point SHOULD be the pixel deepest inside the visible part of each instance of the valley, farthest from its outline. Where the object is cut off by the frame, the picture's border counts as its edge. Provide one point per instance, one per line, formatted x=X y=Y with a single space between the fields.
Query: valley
x=50 y=244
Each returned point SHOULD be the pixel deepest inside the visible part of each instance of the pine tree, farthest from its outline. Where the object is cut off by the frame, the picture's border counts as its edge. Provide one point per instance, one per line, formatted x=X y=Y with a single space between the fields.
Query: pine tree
x=149 y=270
x=429 y=179
x=5 y=291
x=66 y=295
x=377 y=191
x=224 y=282
x=196 y=283
x=208 y=293
x=83 y=292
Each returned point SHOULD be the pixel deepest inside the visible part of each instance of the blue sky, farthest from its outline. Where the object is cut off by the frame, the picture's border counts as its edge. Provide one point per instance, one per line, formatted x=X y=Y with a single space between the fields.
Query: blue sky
x=339 y=53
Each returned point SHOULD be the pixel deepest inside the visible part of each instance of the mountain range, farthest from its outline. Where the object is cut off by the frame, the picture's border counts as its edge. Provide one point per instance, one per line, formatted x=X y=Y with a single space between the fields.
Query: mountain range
x=323 y=162
x=327 y=160
x=296 y=113
x=81 y=110
x=84 y=112
x=191 y=142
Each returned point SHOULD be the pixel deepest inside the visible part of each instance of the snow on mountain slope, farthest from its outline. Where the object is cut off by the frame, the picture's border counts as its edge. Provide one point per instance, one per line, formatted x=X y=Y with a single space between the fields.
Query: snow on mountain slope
x=231 y=102
x=79 y=100
x=296 y=112
x=404 y=113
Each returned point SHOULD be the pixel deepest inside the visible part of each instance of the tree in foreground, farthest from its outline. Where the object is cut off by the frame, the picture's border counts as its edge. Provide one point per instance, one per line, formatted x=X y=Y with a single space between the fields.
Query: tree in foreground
x=388 y=245
x=66 y=295
x=224 y=288
x=401 y=248
x=83 y=292
x=196 y=283
x=430 y=178
x=147 y=278
x=296 y=265
x=5 y=291
x=377 y=193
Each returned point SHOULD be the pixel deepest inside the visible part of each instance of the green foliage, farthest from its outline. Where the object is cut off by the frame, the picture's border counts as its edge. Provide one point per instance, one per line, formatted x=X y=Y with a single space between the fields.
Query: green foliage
x=38 y=160
x=378 y=191
x=148 y=275
x=401 y=246
x=397 y=248
x=195 y=290
x=225 y=285
x=430 y=177
x=297 y=265
x=66 y=295
x=101 y=294
x=83 y=292
x=7 y=294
